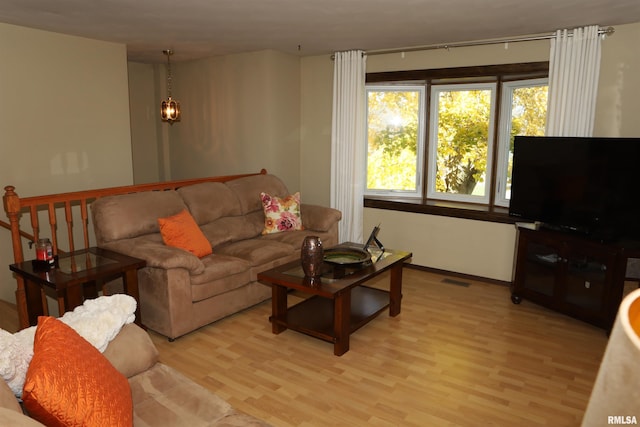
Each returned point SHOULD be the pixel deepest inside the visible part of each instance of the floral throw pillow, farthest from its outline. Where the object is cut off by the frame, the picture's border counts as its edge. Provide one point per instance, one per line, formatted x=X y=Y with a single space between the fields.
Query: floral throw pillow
x=281 y=214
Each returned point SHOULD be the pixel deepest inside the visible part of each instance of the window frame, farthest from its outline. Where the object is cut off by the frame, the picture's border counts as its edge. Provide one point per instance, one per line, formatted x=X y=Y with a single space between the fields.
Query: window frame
x=433 y=120
x=420 y=135
x=504 y=134
x=423 y=205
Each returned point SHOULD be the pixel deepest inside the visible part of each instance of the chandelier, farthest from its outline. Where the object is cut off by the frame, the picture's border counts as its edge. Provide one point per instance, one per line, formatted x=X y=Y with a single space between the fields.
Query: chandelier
x=170 y=108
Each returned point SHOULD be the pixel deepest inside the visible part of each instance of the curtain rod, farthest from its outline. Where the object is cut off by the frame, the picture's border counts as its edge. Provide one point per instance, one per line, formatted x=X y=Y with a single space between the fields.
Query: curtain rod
x=601 y=32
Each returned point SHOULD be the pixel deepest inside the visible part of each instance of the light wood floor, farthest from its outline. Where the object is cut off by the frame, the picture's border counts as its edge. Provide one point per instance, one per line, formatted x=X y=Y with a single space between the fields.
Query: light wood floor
x=8 y=316
x=455 y=356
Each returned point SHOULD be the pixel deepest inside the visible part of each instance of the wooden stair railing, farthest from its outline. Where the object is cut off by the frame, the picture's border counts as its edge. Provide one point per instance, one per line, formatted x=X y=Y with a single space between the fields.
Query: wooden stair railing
x=24 y=234
x=15 y=207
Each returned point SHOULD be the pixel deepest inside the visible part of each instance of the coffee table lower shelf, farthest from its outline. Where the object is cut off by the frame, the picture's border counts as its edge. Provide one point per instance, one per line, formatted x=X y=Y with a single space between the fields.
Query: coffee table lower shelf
x=315 y=315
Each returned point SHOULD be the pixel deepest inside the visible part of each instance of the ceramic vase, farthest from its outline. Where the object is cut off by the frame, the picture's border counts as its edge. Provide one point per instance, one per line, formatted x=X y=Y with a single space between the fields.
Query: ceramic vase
x=311 y=256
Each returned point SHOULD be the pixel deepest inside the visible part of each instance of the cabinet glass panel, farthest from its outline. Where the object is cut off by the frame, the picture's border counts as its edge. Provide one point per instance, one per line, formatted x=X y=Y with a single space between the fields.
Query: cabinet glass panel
x=586 y=280
x=541 y=266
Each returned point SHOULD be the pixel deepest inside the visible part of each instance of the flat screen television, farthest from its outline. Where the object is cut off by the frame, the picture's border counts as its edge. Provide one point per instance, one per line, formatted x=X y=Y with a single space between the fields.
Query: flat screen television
x=589 y=186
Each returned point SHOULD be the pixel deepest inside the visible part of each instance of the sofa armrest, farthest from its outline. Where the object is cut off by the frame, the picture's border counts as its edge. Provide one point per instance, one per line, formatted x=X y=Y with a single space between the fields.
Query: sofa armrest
x=319 y=218
x=157 y=254
x=131 y=351
x=16 y=419
x=8 y=399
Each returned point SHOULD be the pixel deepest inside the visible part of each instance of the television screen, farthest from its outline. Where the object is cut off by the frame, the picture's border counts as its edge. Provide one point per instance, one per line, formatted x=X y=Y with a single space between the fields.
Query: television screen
x=583 y=185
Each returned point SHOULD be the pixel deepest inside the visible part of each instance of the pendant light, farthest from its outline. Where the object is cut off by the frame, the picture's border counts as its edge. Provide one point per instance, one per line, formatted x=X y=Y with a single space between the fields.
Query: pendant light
x=170 y=108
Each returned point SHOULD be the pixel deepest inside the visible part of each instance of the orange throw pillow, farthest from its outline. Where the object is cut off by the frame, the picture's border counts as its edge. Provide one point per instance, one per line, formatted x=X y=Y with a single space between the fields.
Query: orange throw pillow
x=181 y=231
x=70 y=383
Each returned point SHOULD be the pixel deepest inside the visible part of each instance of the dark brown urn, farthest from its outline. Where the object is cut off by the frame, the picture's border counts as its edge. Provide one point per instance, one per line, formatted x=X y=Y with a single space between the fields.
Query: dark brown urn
x=311 y=256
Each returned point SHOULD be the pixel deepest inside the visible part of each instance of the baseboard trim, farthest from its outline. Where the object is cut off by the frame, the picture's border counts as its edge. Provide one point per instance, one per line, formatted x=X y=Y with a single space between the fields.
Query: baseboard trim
x=456 y=274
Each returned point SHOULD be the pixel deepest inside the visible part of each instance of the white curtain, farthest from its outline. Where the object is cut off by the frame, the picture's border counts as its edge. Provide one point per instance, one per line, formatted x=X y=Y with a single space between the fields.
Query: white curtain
x=574 y=68
x=348 y=142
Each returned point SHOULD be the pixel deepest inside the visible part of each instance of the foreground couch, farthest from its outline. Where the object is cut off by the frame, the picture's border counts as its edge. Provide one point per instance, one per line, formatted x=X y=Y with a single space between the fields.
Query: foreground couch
x=162 y=397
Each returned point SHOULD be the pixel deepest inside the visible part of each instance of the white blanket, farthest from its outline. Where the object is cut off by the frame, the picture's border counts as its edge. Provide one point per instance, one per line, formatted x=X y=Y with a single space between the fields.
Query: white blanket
x=97 y=320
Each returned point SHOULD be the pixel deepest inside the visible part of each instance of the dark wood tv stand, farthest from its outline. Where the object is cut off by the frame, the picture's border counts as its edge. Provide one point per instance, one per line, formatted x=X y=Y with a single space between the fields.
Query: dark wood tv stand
x=571 y=274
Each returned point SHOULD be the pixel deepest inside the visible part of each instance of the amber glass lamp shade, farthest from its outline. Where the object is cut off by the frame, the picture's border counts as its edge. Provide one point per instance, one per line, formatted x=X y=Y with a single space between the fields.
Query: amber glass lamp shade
x=170 y=110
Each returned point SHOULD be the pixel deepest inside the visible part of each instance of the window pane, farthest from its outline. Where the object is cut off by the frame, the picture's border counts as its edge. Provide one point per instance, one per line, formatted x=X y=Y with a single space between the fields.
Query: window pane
x=523 y=112
x=393 y=132
x=528 y=117
x=462 y=146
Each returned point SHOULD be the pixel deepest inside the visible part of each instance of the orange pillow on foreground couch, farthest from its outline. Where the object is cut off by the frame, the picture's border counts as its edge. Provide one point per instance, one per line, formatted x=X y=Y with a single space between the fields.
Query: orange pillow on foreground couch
x=70 y=383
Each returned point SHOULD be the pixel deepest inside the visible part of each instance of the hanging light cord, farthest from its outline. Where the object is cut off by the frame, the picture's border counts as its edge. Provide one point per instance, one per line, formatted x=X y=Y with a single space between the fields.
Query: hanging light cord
x=168 y=53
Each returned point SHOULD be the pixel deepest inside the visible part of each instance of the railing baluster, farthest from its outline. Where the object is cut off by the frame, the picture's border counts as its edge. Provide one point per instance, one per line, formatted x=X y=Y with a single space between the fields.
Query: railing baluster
x=68 y=215
x=53 y=225
x=35 y=225
x=85 y=222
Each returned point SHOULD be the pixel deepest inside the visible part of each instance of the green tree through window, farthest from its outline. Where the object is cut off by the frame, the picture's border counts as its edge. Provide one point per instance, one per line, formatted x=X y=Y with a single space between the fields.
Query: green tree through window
x=463 y=138
x=457 y=151
x=393 y=119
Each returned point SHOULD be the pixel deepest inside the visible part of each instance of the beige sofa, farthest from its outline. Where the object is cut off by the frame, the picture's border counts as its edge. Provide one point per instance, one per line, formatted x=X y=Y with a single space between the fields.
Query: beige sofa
x=159 y=392
x=180 y=292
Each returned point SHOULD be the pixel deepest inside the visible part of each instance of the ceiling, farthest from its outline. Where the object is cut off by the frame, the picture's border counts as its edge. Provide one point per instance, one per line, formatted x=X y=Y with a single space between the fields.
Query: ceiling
x=202 y=28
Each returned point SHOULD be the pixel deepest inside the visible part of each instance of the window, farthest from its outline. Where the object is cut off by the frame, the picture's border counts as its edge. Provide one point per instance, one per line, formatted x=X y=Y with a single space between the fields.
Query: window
x=456 y=144
x=394 y=132
x=524 y=112
x=461 y=129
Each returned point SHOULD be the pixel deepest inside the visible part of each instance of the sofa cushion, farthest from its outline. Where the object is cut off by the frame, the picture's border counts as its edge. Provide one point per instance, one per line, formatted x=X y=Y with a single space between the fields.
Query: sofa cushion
x=281 y=213
x=222 y=273
x=152 y=249
x=8 y=398
x=164 y=397
x=69 y=382
x=248 y=190
x=131 y=215
x=209 y=201
x=256 y=251
x=295 y=239
x=16 y=419
x=181 y=231
x=131 y=351
x=232 y=229
x=319 y=218
x=218 y=266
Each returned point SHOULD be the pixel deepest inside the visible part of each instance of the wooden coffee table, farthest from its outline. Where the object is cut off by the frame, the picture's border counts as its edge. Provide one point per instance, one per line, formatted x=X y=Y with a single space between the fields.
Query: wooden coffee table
x=339 y=303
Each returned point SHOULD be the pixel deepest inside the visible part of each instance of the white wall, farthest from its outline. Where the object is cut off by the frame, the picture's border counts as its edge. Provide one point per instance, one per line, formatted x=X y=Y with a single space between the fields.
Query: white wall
x=240 y=113
x=64 y=118
x=480 y=248
x=315 y=143
x=618 y=105
x=144 y=104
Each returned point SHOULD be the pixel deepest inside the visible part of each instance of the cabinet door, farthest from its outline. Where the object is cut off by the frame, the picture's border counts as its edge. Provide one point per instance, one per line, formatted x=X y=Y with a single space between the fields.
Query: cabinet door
x=538 y=268
x=575 y=276
x=588 y=278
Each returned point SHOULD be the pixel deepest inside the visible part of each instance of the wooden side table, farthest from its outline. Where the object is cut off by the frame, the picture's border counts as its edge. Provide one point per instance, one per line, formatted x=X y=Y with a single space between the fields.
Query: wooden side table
x=77 y=276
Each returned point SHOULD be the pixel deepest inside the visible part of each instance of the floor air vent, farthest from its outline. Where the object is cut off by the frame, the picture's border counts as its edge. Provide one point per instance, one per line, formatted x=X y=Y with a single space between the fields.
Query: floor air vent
x=456 y=282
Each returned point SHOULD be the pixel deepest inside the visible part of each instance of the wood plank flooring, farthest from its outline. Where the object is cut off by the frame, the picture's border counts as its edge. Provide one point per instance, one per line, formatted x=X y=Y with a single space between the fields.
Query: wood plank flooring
x=455 y=356
x=8 y=316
